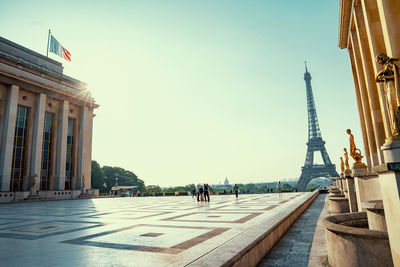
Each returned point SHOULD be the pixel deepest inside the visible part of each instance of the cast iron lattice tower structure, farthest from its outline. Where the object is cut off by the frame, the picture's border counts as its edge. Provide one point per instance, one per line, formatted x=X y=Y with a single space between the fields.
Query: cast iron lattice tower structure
x=315 y=143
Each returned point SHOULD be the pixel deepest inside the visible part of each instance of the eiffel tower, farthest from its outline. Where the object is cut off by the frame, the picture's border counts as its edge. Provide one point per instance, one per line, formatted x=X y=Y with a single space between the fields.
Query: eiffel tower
x=315 y=143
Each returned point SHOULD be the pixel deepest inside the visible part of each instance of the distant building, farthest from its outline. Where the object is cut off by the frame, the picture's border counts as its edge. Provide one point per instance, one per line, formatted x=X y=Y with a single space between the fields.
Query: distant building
x=226 y=182
x=46 y=127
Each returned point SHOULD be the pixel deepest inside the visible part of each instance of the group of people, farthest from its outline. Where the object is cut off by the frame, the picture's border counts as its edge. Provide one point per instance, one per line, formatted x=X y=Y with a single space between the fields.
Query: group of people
x=202 y=192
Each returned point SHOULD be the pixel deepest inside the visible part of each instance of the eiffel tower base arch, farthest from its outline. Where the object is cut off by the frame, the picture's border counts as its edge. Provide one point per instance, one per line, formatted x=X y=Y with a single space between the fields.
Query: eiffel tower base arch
x=314 y=171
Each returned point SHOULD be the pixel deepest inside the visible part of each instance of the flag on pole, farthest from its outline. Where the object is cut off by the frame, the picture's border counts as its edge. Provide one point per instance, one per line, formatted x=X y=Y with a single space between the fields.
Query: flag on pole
x=57 y=49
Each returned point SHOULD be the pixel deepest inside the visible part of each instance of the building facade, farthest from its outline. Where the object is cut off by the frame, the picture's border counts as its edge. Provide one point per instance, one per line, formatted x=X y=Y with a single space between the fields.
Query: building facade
x=370 y=30
x=46 y=121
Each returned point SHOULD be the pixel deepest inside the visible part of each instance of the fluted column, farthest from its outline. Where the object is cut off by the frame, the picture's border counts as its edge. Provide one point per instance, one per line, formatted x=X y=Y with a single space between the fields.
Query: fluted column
x=389 y=12
x=369 y=77
x=376 y=44
x=62 y=132
x=7 y=141
x=37 y=140
x=85 y=148
x=367 y=109
x=361 y=112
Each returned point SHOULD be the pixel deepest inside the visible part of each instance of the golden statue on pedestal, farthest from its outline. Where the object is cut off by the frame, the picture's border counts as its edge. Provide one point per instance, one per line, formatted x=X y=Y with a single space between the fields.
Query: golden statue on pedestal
x=353 y=150
x=391 y=80
x=83 y=180
x=346 y=158
x=341 y=165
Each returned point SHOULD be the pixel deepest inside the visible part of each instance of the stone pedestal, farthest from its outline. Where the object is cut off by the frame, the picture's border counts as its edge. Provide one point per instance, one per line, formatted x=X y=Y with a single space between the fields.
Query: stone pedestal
x=389 y=178
x=391 y=151
x=339 y=182
x=345 y=189
x=367 y=188
x=375 y=214
x=351 y=194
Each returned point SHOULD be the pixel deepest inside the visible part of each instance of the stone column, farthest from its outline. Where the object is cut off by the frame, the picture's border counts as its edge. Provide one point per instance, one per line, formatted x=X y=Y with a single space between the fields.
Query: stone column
x=376 y=44
x=389 y=174
x=7 y=140
x=85 y=148
x=361 y=111
x=363 y=93
x=389 y=12
x=37 y=140
x=369 y=77
x=62 y=132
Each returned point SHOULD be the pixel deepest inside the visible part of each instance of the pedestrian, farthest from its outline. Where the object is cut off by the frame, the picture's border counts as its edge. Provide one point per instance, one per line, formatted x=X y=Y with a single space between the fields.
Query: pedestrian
x=278 y=189
x=194 y=191
x=236 y=189
x=206 y=192
x=201 y=192
x=198 y=192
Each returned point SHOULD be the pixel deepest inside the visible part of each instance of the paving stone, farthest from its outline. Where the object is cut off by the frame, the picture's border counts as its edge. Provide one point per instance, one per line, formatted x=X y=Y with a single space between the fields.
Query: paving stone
x=301 y=235
x=148 y=231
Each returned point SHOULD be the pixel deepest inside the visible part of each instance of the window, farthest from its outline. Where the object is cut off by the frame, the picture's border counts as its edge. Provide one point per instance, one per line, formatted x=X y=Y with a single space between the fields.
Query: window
x=69 y=161
x=46 y=150
x=18 y=160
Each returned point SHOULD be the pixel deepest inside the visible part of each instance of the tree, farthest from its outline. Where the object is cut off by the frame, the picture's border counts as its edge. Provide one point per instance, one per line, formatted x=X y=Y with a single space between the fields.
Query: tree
x=125 y=177
x=98 y=177
x=153 y=189
x=186 y=188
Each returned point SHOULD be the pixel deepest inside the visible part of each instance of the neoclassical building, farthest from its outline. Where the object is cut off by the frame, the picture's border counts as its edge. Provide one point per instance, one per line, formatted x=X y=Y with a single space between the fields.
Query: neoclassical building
x=370 y=31
x=46 y=123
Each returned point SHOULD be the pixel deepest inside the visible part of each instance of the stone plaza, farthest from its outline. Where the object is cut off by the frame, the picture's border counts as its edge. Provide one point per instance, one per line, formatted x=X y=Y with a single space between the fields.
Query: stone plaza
x=148 y=231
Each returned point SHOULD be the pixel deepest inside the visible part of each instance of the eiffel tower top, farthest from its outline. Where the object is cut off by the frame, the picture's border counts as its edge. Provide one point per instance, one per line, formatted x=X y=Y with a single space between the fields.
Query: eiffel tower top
x=314 y=131
x=307 y=75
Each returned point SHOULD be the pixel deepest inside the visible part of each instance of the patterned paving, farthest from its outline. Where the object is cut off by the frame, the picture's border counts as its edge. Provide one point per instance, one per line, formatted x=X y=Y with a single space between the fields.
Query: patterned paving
x=129 y=231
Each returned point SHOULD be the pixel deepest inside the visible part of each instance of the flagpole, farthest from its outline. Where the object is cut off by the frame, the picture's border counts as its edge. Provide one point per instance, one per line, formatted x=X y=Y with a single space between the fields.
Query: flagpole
x=48 y=40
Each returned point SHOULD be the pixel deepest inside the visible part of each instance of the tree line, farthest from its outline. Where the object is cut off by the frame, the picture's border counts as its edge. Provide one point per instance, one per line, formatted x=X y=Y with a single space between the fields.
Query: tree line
x=103 y=178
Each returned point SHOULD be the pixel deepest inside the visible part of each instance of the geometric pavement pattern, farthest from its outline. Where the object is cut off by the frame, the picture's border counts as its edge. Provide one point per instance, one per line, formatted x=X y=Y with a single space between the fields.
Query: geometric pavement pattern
x=129 y=231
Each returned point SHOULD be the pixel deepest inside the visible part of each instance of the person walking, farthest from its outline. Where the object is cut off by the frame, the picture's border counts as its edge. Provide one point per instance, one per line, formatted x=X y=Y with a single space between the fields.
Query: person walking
x=198 y=192
x=279 y=189
x=194 y=191
x=201 y=192
x=206 y=192
x=236 y=189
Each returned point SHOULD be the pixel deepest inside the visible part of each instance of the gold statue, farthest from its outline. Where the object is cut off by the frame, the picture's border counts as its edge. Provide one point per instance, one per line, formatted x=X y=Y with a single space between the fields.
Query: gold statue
x=346 y=158
x=353 y=150
x=390 y=78
x=83 y=180
x=34 y=179
x=341 y=165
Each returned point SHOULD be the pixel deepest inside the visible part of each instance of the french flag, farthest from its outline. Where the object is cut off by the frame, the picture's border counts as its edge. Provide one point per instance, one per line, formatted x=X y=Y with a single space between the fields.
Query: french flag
x=57 y=49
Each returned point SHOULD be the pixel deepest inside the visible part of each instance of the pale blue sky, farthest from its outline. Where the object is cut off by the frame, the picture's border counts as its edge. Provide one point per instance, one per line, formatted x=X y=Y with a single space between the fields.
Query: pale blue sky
x=194 y=91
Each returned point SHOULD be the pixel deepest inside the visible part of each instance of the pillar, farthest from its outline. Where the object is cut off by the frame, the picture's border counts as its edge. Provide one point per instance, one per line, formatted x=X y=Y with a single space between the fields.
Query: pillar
x=389 y=13
x=369 y=78
x=37 y=140
x=7 y=140
x=364 y=97
x=61 y=150
x=85 y=148
x=376 y=44
x=360 y=107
